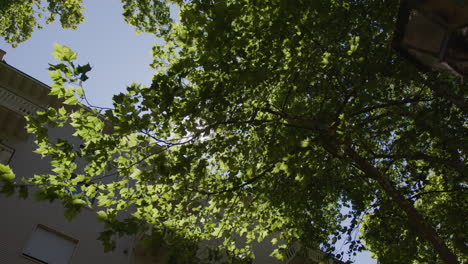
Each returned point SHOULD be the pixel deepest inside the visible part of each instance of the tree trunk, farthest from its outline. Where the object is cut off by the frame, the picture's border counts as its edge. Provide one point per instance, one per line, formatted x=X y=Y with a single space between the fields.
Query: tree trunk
x=423 y=228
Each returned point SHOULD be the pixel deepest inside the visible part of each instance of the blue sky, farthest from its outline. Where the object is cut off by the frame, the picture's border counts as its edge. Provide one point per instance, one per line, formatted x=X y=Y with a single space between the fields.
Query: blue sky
x=118 y=56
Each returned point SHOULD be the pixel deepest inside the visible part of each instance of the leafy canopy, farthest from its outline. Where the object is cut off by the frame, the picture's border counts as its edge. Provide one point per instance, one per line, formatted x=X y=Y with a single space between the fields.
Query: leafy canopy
x=271 y=117
x=20 y=18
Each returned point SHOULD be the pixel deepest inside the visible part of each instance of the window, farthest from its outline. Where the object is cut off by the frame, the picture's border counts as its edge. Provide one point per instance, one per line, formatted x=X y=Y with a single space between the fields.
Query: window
x=48 y=246
x=6 y=153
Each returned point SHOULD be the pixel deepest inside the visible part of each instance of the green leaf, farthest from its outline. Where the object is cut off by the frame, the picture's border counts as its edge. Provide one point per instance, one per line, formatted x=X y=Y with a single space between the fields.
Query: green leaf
x=274 y=241
x=101 y=215
x=62 y=111
x=326 y=58
x=55 y=75
x=136 y=173
x=57 y=89
x=83 y=68
x=72 y=100
x=217 y=232
x=79 y=91
x=6 y=173
x=79 y=201
x=305 y=143
x=63 y=53
x=277 y=254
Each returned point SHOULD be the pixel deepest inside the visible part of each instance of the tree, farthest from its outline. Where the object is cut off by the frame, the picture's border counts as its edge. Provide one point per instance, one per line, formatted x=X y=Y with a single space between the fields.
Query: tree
x=274 y=116
x=19 y=18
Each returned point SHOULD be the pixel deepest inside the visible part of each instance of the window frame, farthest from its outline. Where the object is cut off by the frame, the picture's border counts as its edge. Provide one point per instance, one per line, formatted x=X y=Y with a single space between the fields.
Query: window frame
x=7 y=149
x=54 y=232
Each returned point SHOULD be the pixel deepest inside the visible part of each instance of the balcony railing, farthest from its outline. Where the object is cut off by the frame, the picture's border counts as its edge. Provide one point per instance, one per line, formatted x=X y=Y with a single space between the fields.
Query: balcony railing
x=290 y=253
x=309 y=255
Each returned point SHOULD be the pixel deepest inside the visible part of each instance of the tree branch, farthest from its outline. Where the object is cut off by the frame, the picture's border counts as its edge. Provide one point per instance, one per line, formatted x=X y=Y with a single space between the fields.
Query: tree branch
x=389 y=104
x=419 y=223
x=434 y=191
x=422 y=156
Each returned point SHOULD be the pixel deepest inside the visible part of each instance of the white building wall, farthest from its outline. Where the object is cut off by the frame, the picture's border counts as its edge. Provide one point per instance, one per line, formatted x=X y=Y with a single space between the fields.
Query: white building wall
x=19 y=217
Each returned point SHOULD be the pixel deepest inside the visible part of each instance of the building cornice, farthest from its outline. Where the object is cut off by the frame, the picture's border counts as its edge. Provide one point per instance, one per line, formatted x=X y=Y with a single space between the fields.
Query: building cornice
x=17 y=103
x=26 y=87
x=20 y=95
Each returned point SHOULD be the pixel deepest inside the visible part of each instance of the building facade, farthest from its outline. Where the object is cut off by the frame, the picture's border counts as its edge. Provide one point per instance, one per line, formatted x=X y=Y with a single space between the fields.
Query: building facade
x=31 y=231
